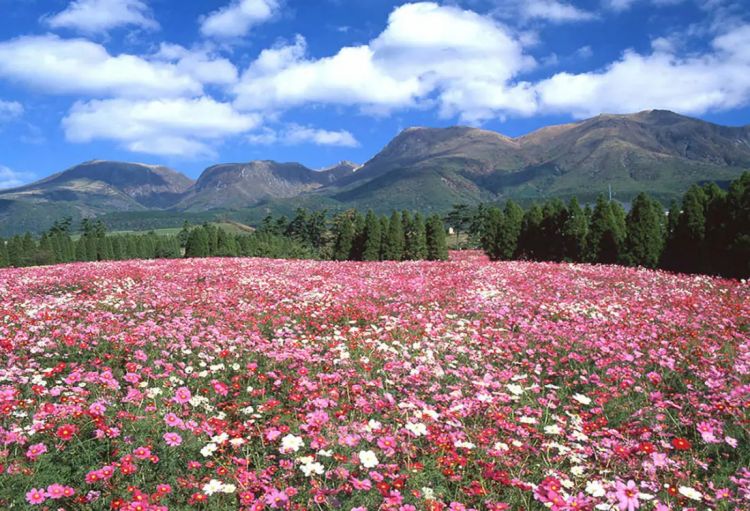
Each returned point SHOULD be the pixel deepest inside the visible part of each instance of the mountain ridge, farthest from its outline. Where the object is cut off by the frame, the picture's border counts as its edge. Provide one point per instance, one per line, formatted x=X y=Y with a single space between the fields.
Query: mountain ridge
x=421 y=168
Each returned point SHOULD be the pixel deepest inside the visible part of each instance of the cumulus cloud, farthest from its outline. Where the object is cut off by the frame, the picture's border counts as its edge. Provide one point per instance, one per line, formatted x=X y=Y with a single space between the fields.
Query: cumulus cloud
x=199 y=64
x=98 y=16
x=716 y=80
x=11 y=179
x=77 y=66
x=10 y=110
x=170 y=127
x=296 y=134
x=428 y=53
x=237 y=18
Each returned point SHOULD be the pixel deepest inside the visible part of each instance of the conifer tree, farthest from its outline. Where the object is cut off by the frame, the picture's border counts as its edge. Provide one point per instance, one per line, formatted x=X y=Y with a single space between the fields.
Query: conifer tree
x=371 y=238
x=437 y=244
x=418 y=247
x=384 y=226
x=690 y=232
x=603 y=241
x=394 y=242
x=737 y=233
x=343 y=237
x=358 y=246
x=574 y=232
x=530 y=241
x=644 y=240
x=4 y=260
x=198 y=243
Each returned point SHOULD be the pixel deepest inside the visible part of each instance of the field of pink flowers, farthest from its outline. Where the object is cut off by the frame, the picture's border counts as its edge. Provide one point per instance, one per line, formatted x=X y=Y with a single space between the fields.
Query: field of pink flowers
x=257 y=384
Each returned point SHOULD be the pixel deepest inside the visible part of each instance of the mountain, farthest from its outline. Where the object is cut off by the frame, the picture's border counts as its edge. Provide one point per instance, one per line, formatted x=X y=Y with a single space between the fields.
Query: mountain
x=238 y=185
x=91 y=189
x=656 y=151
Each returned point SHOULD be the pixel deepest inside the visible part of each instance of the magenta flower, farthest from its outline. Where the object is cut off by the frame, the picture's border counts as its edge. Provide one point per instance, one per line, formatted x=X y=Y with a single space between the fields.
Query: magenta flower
x=35 y=496
x=172 y=439
x=627 y=496
x=182 y=395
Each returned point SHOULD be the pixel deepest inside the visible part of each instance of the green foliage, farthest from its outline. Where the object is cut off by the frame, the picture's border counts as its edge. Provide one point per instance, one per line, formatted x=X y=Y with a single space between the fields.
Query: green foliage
x=371 y=238
x=645 y=233
x=393 y=249
x=437 y=244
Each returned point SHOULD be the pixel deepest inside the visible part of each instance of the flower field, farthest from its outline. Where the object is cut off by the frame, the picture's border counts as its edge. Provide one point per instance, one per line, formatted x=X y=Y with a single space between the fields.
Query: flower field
x=258 y=384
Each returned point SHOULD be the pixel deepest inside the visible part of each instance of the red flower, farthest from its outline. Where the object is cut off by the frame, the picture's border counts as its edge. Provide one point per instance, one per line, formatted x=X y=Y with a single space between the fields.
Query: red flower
x=647 y=447
x=681 y=444
x=66 y=431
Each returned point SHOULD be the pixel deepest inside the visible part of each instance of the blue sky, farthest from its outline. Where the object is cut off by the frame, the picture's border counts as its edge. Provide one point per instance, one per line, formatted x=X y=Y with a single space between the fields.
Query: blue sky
x=190 y=83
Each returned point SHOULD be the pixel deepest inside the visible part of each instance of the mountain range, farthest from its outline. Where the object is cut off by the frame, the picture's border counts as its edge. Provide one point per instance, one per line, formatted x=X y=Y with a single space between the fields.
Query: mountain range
x=427 y=169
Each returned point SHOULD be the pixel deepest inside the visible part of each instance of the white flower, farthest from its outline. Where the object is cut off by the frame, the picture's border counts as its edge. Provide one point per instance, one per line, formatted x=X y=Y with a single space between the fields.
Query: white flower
x=325 y=453
x=236 y=442
x=429 y=493
x=514 y=389
x=595 y=489
x=291 y=443
x=213 y=486
x=527 y=420
x=228 y=488
x=368 y=459
x=312 y=468
x=582 y=399
x=690 y=493
x=553 y=430
x=465 y=445
x=208 y=450
x=501 y=446
x=417 y=428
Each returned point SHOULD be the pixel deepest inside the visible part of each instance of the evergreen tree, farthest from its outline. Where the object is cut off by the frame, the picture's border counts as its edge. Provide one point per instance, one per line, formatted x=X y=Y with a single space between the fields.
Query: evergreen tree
x=371 y=238
x=490 y=239
x=574 y=232
x=384 y=226
x=184 y=234
x=690 y=232
x=343 y=229
x=554 y=217
x=198 y=243
x=394 y=242
x=530 y=241
x=4 y=259
x=437 y=244
x=418 y=248
x=644 y=240
x=737 y=234
x=604 y=239
x=358 y=246
x=407 y=223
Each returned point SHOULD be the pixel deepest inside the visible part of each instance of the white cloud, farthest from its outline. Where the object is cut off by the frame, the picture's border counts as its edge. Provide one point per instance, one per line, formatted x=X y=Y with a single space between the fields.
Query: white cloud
x=237 y=18
x=98 y=16
x=198 y=63
x=716 y=80
x=10 y=110
x=554 y=11
x=172 y=127
x=11 y=179
x=428 y=53
x=296 y=134
x=77 y=66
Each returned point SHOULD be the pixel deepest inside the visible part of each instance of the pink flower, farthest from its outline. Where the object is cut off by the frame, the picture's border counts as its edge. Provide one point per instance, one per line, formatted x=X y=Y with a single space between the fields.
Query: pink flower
x=36 y=450
x=276 y=499
x=172 y=439
x=55 y=491
x=172 y=420
x=35 y=496
x=627 y=496
x=182 y=395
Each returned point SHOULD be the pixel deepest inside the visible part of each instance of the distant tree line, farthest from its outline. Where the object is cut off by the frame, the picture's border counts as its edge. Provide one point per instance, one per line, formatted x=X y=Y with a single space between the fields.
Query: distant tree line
x=709 y=232
x=309 y=235
x=347 y=236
